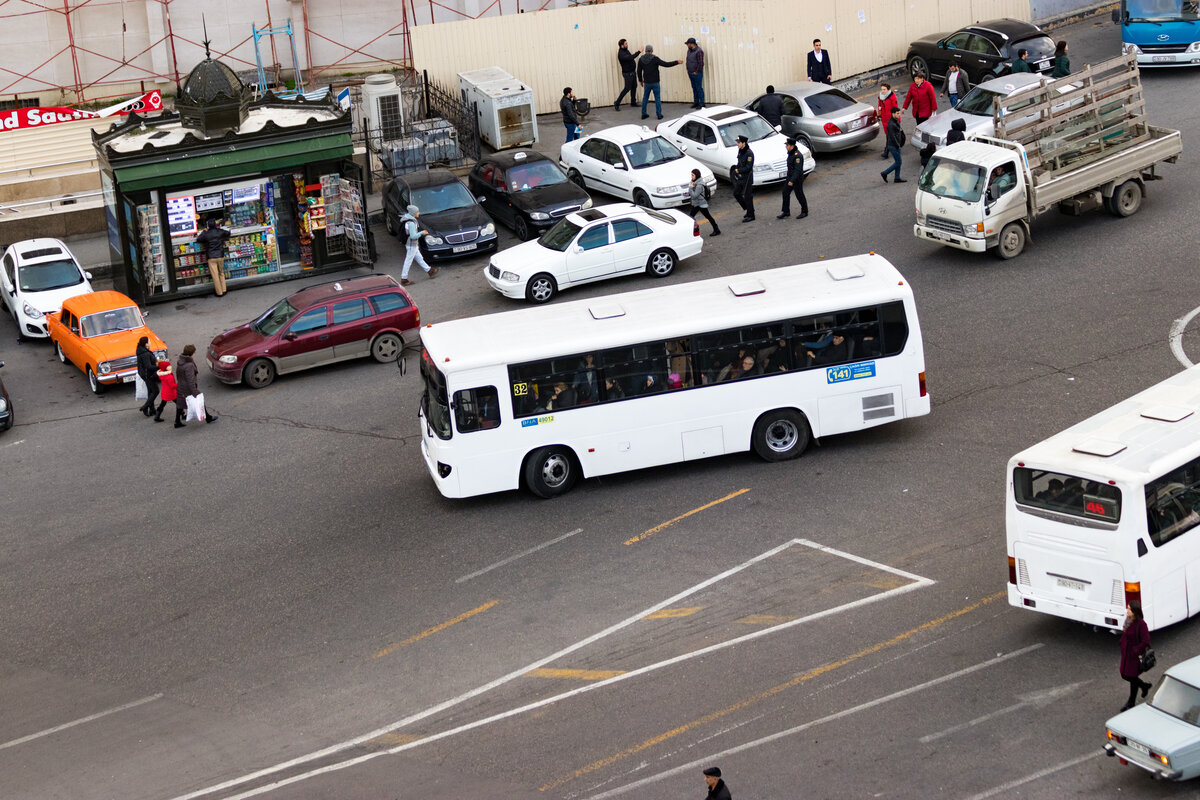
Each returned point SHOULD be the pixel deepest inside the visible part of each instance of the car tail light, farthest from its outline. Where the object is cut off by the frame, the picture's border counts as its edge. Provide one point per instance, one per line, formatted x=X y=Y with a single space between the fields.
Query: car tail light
x=831 y=129
x=418 y=322
x=695 y=229
x=1012 y=570
x=1116 y=737
x=921 y=381
x=1133 y=593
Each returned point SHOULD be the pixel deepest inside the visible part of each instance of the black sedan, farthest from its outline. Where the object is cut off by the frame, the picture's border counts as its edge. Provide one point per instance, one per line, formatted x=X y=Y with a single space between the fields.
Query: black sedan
x=983 y=50
x=457 y=225
x=526 y=191
x=6 y=409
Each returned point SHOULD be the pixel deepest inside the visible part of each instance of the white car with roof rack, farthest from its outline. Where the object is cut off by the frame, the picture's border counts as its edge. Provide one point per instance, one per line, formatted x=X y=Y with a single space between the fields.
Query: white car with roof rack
x=36 y=276
x=634 y=163
x=710 y=136
x=593 y=245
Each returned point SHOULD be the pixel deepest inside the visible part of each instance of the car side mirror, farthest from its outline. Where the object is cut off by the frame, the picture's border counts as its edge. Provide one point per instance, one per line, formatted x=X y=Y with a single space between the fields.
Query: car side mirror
x=942 y=45
x=145 y=313
x=618 y=166
x=779 y=128
x=481 y=198
x=578 y=249
x=291 y=337
x=87 y=275
x=1116 y=15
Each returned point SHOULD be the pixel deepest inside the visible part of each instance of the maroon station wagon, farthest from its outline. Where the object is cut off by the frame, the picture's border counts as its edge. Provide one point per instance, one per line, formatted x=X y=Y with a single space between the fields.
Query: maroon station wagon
x=348 y=318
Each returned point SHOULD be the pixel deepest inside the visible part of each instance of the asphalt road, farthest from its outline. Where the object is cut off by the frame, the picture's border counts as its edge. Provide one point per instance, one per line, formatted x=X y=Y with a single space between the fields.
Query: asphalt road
x=282 y=605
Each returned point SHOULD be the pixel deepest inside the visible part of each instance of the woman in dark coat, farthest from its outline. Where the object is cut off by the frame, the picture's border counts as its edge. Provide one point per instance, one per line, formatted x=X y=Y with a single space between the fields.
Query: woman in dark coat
x=147 y=367
x=1135 y=640
x=189 y=385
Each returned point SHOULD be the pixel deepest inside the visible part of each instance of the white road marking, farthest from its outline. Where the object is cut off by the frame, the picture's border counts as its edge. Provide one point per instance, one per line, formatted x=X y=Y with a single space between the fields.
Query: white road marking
x=1032 y=699
x=709 y=759
x=917 y=583
x=82 y=720
x=1005 y=788
x=511 y=559
x=1176 y=336
x=14 y=444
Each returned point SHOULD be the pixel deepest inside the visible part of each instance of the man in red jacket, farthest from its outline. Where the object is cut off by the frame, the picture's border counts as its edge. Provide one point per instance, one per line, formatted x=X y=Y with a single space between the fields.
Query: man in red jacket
x=923 y=98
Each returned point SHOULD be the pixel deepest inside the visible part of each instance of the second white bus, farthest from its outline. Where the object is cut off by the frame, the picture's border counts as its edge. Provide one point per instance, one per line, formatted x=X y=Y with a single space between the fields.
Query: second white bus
x=762 y=361
x=1107 y=512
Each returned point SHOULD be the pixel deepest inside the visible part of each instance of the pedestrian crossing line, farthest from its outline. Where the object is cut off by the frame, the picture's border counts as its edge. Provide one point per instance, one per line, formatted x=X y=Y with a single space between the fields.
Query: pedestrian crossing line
x=764 y=619
x=674 y=613
x=391 y=648
x=575 y=674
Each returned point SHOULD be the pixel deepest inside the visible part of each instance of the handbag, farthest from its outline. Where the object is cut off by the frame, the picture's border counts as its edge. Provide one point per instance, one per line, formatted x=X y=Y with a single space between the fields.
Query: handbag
x=1147 y=660
x=195 y=408
x=140 y=392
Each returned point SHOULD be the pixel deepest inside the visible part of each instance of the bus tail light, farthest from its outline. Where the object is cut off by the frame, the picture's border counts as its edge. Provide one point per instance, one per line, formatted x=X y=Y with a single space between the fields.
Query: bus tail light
x=1133 y=593
x=921 y=380
x=1012 y=570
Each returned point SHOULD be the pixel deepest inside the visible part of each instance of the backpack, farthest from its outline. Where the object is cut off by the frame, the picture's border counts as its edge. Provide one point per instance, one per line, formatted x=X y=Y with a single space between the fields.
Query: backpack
x=707 y=193
x=403 y=234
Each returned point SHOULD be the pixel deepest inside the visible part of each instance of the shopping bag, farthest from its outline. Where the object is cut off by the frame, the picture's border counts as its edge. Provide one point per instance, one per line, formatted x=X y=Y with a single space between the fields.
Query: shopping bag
x=195 y=408
x=140 y=392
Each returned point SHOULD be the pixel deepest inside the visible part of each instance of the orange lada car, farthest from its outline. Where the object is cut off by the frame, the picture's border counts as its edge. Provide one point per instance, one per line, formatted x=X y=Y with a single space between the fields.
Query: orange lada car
x=98 y=333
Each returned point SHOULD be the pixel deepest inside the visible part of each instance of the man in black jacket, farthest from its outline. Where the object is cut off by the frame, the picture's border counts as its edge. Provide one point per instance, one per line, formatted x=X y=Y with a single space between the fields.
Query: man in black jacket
x=647 y=75
x=820 y=69
x=743 y=178
x=794 y=182
x=717 y=790
x=212 y=240
x=770 y=107
x=628 y=62
x=569 y=114
x=895 y=143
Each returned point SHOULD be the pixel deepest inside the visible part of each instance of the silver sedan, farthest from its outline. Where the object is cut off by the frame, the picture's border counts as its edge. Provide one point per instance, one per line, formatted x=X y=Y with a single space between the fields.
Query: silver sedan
x=824 y=118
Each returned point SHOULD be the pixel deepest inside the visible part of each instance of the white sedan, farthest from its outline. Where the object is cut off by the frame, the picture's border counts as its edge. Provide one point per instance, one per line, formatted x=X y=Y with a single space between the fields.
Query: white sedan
x=593 y=245
x=710 y=136
x=36 y=276
x=634 y=163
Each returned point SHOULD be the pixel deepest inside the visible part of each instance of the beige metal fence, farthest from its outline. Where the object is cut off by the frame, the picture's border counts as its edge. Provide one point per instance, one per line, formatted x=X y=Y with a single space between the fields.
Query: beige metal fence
x=747 y=43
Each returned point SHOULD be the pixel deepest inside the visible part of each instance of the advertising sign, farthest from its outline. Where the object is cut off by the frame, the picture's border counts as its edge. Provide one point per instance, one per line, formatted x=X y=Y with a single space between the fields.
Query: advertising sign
x=40 y=116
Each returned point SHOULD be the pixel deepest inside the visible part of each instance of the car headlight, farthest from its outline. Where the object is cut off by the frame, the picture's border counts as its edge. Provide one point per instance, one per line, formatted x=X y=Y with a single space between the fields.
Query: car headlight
x=1127 y=48
x=488 y=230
x=920 y=217
x=105 y=366
x=433 y=240
x=228 y=359
x=30 y=311
x=3 y=404
x=539 y=215
x=587 y=203
x=665 y=189
x=509 y=276
x=1194 y=47
x=762 y=168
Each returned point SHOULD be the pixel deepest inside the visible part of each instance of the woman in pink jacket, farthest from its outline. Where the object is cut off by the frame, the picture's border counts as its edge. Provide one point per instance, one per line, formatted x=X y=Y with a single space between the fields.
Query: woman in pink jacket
x=923 y=98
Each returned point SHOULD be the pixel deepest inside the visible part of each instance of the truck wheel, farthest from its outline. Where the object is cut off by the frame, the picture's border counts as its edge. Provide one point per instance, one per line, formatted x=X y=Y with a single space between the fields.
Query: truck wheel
x=1012 y=241
x=1126 y=200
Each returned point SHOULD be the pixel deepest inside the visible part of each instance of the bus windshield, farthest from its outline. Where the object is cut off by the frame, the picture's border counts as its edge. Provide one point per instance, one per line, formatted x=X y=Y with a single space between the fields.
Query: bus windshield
x=946 y=178
x=434 y=403
x=1066 y=494
x=1161 y=10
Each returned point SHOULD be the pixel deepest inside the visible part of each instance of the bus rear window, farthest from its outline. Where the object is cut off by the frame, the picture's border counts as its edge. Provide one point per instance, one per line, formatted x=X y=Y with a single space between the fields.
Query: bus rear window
x=1067 y=494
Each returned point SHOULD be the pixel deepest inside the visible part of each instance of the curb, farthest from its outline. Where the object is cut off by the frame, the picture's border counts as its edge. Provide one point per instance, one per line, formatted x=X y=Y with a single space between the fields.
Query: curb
x=1067 y=17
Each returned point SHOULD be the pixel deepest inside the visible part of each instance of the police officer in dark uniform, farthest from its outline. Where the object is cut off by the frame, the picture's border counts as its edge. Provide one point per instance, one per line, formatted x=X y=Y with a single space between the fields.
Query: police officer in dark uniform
x=743 y=178
x=795 y=182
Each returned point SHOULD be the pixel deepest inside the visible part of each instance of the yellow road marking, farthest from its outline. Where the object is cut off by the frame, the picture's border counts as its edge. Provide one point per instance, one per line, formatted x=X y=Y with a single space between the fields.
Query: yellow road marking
x=887 y=581
x=671 y=522
x=774 y=690
x=764 y=619
x=391 y=648
x=673 y=613
x=576 y=674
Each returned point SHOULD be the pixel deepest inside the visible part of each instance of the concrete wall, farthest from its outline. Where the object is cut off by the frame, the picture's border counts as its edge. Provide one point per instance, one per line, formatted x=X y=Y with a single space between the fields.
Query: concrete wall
x=748 y=43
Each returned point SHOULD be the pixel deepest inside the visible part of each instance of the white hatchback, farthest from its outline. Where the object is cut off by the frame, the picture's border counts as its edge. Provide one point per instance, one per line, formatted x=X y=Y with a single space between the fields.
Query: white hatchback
x=710 y=136
x=634 y=163
x=593 y=245
x=36 y=276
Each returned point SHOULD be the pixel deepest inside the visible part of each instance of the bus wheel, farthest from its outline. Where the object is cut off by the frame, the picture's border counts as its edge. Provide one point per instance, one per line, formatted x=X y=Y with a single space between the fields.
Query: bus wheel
x=780 y=435
x=1012 y=241
x=1126 y=200
x=550 y=471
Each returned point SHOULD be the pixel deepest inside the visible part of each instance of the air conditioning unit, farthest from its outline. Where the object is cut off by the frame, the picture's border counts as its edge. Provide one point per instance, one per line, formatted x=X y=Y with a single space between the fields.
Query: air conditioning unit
x=386 y=111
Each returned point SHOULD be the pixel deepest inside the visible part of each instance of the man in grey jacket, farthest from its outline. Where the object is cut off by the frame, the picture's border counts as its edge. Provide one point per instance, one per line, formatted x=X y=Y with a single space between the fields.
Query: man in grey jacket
x=695 y=70
x=569 y=115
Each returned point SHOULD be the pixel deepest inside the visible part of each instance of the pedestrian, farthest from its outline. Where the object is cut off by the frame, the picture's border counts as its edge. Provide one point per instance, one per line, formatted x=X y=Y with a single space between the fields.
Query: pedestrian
x=168 y=392
x=887 y=101
x=1135 y=640
x=695 y=70
x=770 y=107
x=648 y=79
x=570 y=116
x=957 y=84
x=1022 y=63
x=147 y=369
x=1062 y=64
x=187 y=379
x=717 y=790
x=743 y=178
x=628 y=62
x=820 y=69
x=698 y=196
x=212 y=241
x=795 y=182
x=895 y=141
x=958 y=131
x=923 y=98
x=412 y=246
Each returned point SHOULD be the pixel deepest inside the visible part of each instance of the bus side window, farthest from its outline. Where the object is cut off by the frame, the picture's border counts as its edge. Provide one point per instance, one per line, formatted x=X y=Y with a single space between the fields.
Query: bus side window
x=1173 y=503
x=895 y=328
x=477 y=409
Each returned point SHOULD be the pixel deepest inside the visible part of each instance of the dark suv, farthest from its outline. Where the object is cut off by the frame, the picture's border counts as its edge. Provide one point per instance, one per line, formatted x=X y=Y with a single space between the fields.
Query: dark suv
x=983 y=50
x=369 y=315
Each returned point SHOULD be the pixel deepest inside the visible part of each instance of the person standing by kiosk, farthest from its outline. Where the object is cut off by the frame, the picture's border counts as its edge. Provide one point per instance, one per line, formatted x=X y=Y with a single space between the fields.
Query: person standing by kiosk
x=212 y=239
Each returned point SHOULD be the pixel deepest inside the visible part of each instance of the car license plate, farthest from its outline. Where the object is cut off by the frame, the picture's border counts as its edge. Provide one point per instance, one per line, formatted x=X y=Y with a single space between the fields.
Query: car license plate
x=1141 y=748
x=1043 y=64
x=1163 y=59
x=856 y=124
x=211 y=363
x=127 y=379
x=463 y=248
x=1075 y=586
x=783 y=173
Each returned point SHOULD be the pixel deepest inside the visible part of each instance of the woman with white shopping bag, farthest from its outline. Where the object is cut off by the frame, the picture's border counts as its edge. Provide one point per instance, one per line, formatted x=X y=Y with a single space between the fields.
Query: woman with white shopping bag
x=189 y=396
x=147 y=370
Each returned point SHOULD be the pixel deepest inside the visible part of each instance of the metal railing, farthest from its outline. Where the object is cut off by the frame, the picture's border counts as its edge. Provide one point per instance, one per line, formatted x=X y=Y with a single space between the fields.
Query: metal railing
x=39 y=167
x=49 y=202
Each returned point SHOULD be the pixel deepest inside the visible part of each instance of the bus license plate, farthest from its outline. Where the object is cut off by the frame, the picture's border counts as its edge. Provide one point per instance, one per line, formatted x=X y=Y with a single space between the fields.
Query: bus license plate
x=1075 y=586
x=462 y=248
x=1163 y=59
x=1141 y=748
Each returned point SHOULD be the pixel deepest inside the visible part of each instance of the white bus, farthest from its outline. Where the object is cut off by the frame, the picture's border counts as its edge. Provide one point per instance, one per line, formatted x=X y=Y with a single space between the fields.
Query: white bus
x=762 y=361
x=1107 y=512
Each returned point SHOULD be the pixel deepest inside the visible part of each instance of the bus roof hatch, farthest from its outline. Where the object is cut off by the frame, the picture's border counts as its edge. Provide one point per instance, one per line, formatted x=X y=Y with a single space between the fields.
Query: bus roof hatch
x=1099 y=447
